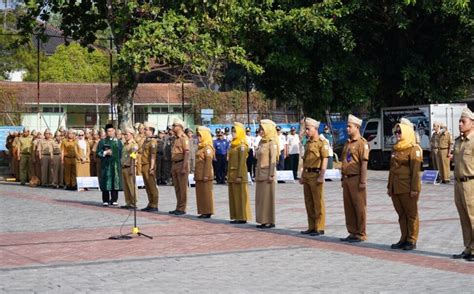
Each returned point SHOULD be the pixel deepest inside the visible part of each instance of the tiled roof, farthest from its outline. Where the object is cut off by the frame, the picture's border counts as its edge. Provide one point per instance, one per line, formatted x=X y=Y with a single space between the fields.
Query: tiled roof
x=78 y=93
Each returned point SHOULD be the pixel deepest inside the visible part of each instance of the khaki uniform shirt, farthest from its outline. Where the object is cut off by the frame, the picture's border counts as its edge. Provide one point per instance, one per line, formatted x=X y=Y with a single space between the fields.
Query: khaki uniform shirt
x=203 y=167
x=464 y=156
x=45 y=147
x=237 y=166
x=315 y=152
x=56 y=147
x=444 y=140
x=149 y=148
x=68 y=147
x=128 y=148
x=140 y=140
x=353 y=154
x=434 y=141
x=266 y=160
x=404 y=174
x=180 y=146
x=25 y=145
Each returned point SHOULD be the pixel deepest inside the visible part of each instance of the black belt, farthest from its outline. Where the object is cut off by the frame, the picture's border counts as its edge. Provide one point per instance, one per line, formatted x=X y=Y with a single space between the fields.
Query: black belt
x=178 y=161
x=57 y=154
x=125 y=166
x=312 y=170
x=25 y=153
x=465 y=179
x=435 y=148
x=349 y=176
x=70 y=156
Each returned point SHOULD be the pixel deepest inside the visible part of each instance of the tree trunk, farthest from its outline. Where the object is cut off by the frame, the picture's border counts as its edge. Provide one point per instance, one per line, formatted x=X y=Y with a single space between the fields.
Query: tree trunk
x=125 y=91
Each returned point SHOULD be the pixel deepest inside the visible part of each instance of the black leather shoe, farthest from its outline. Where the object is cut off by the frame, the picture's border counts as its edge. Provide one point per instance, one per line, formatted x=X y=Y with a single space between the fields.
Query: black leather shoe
x=460 y=256
x=307 y=232
x=317 y=233
x=206 y=215
x=355 y=240
x=346 y=239
x=240 y=222
x=398 y=245
x=172 y=211
x=146 y=208
x=409 y=246
x=177 y=212
x=152 y=209
x=469 y=257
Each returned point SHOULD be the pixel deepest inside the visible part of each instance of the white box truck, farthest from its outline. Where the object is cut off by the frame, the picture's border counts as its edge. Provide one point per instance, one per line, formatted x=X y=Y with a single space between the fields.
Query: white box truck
x=378 y=131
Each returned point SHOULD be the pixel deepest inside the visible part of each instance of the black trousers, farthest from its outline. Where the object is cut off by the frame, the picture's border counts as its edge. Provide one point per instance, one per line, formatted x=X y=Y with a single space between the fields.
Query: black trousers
x=221 y=168
x=250 y=163
x=294 y=162
x=110 y=196
x=281 y=161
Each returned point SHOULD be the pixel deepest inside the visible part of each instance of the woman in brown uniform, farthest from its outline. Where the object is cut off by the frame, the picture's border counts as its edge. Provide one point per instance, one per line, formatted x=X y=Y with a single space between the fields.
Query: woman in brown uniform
x=268 y=153
x=204 y=174
x=239 y=204
x=83 y=152
x=404 y=184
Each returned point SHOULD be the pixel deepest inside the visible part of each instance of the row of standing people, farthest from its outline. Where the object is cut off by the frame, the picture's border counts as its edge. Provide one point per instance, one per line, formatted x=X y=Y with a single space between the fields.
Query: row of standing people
x=441 y=143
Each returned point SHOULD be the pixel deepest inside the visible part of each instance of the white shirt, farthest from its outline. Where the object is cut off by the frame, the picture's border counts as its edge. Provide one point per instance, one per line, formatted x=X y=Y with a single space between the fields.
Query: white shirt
x=283 y=142
x=250 y=141
x=293 y=144
x=256 y=141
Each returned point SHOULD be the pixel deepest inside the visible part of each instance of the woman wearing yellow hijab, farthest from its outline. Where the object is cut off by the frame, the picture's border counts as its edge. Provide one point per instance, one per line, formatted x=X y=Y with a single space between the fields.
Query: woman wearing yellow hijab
x=404 y=184
x=239 y=205
x=204 y=173
x=268 y=153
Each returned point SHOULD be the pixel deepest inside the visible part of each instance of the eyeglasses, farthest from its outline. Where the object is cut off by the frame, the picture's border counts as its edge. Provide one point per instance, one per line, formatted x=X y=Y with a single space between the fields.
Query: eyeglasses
x=80 y=135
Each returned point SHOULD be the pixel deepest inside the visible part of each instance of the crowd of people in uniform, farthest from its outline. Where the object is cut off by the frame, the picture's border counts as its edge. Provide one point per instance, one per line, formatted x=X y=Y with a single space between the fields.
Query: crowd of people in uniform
x=117 y=156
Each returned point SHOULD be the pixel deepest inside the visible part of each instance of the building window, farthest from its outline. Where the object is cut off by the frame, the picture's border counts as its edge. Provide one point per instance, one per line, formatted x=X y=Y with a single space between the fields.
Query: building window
x=53 y=109
x=162 y=109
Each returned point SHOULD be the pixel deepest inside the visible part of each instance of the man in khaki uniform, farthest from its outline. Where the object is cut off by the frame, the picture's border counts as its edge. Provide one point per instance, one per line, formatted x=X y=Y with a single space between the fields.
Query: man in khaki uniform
x=37 y=137
x=315 y=161
x=68 y=159
x=355 y=156
x=464 y=186
x=16 y=160
x=180 y=167
x=148 y=162
x=434 y=142
x=57 y=170
x=444 y=151
x=45 y=154
x=140 y=138
x=129 y=154
x=25 y=155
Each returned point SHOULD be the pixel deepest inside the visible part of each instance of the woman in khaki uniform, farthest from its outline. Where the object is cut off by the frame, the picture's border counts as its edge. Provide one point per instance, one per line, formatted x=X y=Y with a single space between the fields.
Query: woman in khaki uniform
x=68 y=159
x=268 y=153
x=37 y=136
x=239 y=204
x=404 y=184
x=204 y=173
x=83 y=153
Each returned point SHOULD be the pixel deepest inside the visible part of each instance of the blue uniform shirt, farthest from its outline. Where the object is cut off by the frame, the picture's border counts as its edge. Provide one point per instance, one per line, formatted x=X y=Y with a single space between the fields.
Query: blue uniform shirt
x=221 y=146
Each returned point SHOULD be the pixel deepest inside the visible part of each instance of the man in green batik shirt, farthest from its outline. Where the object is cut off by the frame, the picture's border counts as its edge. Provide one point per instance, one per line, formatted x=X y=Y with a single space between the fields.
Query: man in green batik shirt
x=109 y=152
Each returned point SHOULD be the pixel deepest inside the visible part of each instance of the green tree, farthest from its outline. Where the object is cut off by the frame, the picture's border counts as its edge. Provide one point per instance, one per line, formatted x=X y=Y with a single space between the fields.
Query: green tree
x=344 y=55
x=177 y=37
x=74 y=63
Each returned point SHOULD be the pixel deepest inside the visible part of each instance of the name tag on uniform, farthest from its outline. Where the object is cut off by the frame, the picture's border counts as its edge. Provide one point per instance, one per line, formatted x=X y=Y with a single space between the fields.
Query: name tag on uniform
x=418 y=154
x=366 y=146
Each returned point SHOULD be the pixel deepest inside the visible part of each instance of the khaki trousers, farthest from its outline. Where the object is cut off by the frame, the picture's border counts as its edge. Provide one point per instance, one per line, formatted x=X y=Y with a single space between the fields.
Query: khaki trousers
x=355 y=207
x=239 y=204
x=443 y=164
x=464 y=200
x=265 y=202
x=46 y=170
x=407 y=210
x=129 y=187
x=26 y=168
x=180 y=183
x=69 y=172
x=57 y=171
x=204 y=197
x=150 y=186
x=314 y=202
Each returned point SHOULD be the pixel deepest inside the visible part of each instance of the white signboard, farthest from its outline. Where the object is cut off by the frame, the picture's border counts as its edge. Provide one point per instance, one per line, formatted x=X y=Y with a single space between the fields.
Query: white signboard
x=285 y=175
x=333 y=174
x=87 y=182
